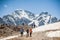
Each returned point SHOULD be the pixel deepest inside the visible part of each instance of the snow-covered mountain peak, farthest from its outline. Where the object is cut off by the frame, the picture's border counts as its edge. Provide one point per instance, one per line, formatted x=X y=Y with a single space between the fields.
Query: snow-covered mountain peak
x=23 y=16
x=23 y=13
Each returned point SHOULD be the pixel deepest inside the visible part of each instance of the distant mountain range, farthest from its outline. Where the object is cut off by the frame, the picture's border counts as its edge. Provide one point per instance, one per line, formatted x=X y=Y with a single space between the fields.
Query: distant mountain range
x=20 y=17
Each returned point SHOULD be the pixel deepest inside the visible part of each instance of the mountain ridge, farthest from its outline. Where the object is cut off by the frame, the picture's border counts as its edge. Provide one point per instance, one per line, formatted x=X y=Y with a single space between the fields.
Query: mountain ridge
x=18 y=17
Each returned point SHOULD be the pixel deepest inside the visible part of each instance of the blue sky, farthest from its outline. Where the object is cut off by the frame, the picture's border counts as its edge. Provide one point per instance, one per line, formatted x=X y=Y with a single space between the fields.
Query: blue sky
x=35 y=6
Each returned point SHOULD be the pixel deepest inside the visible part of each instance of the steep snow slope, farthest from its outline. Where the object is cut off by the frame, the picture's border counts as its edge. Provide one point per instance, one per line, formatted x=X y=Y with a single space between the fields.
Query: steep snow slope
x=46 y=27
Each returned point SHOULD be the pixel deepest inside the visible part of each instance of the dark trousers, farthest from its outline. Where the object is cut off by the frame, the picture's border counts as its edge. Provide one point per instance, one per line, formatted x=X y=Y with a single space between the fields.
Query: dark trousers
x=21 y=34
x=30 y=34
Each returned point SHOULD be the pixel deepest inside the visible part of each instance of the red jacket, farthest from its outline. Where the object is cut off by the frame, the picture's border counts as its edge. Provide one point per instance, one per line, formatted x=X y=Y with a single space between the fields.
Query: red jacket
x=31 y=30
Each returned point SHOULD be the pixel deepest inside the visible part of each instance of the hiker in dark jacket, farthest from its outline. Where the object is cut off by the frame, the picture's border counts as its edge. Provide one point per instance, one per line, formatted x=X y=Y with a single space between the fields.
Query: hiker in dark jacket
x=27 y=32
x=21 y=31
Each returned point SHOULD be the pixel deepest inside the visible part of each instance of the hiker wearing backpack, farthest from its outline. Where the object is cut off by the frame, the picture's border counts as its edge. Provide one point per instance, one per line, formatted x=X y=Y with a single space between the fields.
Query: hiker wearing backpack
x=30 y=32
x=27 y=32
x=21 y=31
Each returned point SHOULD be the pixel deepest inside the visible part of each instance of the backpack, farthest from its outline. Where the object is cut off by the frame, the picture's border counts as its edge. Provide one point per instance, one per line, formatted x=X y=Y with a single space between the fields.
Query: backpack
x=21 y=30
x=30 y=30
